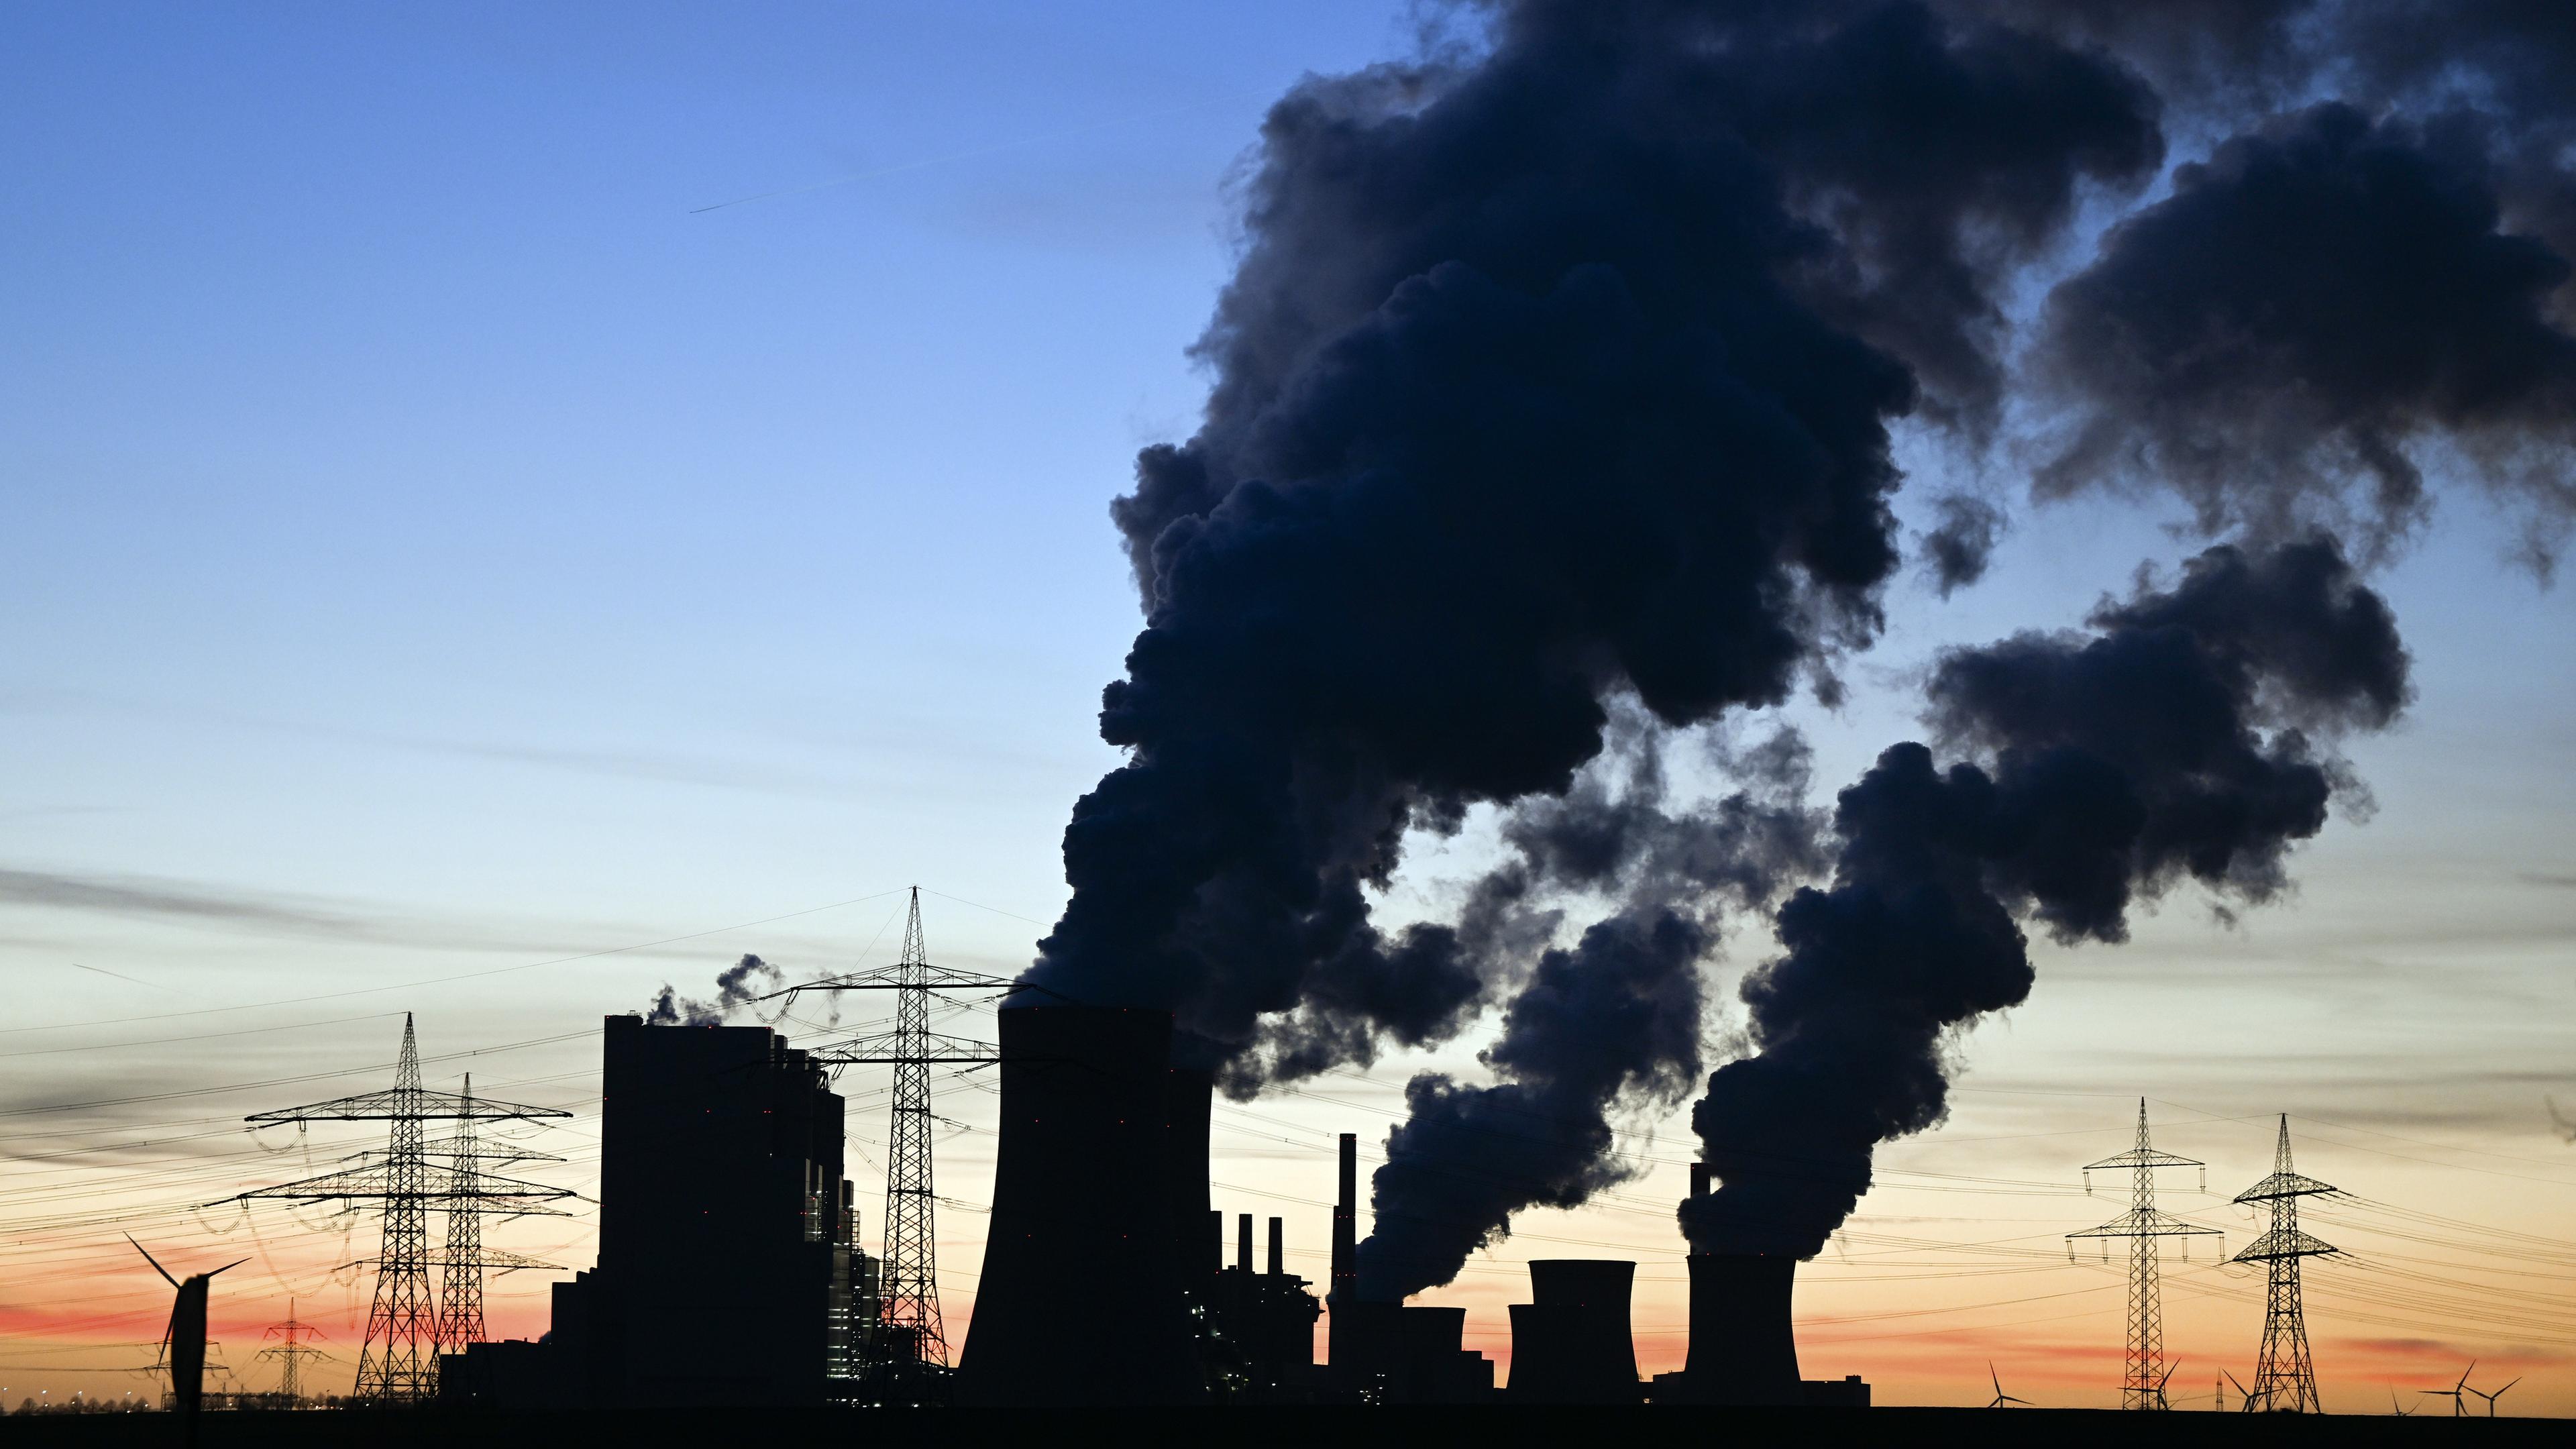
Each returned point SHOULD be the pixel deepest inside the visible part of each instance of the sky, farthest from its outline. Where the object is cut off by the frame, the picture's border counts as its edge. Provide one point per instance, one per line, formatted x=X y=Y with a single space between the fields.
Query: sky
x=502 y=509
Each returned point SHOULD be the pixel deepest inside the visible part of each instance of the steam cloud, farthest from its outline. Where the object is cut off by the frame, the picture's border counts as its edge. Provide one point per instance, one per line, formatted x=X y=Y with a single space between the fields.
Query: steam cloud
x=1614 y=1021
x=2179 y=740
x=1551 y=415
x=737 y=986
x=1544 y=379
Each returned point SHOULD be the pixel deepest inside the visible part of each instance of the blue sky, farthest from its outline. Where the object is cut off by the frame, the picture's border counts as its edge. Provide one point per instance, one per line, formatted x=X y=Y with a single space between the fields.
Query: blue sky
x=430 y=543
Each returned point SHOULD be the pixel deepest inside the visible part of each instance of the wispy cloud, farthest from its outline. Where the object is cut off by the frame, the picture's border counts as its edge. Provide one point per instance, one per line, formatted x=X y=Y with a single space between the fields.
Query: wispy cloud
x=140 y=896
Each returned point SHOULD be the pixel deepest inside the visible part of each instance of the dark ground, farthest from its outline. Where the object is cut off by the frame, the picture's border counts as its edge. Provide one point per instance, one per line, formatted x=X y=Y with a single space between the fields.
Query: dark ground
x=1328 y=1428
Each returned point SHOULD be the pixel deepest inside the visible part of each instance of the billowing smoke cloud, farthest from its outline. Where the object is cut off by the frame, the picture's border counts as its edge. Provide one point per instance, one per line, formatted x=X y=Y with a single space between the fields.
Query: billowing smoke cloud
x=2180 y=739
x=737 y=986
x=2315 y=305
x=1553 y=375
x=1611 y=1025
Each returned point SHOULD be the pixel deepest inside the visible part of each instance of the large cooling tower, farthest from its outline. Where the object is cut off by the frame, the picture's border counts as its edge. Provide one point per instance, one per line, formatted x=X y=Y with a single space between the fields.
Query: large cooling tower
x=1742 y=1350
x=1080 y=1300
x=1572 y=1343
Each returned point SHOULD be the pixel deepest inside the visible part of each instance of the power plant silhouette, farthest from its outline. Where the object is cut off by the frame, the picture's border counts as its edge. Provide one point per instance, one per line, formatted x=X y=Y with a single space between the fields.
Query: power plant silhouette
x=728 y=1224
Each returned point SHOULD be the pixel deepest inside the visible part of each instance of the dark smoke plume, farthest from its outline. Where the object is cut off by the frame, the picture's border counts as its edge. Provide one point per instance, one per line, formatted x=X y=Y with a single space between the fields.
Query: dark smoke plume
x=2178 y=739
x=1612 y=1025
x=737 y=986
x=2313 y=306
x=1547 y=377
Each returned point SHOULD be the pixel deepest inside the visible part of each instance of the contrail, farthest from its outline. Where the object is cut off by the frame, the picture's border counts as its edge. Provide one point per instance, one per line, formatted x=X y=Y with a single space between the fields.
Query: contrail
x=884 y=171
x=118 y=975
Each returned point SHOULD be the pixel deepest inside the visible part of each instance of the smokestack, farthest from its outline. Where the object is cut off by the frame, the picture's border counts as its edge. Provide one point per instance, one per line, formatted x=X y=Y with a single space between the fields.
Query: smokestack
x=1742 y=1349
x=1572 y=1343
x=1243 y=1241
x=1278 y=1247
x=1214 y=1247
x=1699 y=1179
x=1084 y=1092
x=1343 y=1294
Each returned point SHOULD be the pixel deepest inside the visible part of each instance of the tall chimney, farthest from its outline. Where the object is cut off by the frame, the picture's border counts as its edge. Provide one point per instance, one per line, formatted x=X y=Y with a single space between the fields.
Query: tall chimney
x=1243 y=1241
x=1742 y=1350
x=1699 y=1179
x=1344 y=1296
x=1083 y=1102
x=1278 y=1247
x=1214 y=1247
x=1346 y=1214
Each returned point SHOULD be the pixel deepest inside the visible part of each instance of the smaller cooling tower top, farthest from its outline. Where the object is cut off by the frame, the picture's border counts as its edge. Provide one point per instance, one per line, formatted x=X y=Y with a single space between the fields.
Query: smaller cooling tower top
x=1572 y=1344
x=1583 y=1283
x=1080 y=1299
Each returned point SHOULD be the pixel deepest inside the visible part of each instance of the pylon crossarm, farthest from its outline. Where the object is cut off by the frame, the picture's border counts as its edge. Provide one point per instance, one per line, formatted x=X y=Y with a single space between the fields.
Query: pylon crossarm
x=407 y=1104
x=891 y=978
x=2285 y=1184
x=2143 y=1157
x=2284 y=1243
x=2146 y=1223
x=898 y=1046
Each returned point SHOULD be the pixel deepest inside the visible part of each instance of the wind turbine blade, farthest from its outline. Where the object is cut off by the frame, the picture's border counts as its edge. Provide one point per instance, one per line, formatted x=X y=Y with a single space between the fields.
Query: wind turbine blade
x=155 y=1262
x=228 y=1267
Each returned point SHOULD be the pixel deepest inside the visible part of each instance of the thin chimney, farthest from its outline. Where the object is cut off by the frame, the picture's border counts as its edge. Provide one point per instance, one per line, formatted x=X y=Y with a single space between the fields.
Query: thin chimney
x=1243 y=1241
x=1346 y=1221
x=1278 y=1247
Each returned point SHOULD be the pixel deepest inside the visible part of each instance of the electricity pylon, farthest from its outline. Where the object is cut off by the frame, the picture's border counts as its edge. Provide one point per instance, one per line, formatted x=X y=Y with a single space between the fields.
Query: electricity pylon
x=290 y=1353
x=2284 y=1378
x=2144 y=1385
x=912 y=1342
x=398 y=1362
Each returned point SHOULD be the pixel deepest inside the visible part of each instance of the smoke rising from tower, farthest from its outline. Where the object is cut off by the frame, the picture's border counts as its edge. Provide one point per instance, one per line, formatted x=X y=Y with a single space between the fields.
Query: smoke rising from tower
x=1545 y=378
x=1553 y=391
x=737 y=986
x=2185 y=737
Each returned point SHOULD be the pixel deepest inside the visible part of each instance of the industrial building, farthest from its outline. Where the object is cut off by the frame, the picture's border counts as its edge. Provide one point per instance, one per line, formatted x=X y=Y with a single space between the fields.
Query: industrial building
x=728 y=1269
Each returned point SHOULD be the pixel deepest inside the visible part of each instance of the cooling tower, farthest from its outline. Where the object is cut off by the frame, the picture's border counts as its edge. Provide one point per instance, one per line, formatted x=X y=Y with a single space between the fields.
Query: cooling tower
x=1572 y=1344
x=1080 y=1300
x=1742 y=1350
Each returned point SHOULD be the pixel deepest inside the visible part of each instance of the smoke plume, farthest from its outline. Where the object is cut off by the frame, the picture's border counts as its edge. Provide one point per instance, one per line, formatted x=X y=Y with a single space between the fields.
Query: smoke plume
x=1551 y=375
x=2182 y=738
x=1612 y=1024
x=737 y=986
x=2313 y=306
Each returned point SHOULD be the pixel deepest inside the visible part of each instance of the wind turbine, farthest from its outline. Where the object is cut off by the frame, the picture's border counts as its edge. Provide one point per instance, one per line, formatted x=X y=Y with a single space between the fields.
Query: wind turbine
x=187 y=1337
x=2394 y=1407
x=2161 y=1402
x=2457 y=1393
x=2490 y=1398
x=2001 y=1398
x=2243 y=1398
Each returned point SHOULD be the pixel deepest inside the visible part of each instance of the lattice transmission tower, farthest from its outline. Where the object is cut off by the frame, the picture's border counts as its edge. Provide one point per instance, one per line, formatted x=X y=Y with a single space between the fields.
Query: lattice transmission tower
x=2284 y=1378
x=398 y=1362
x=911 y=1343
x=2143 y=1387
x=463 y=1259
x=289 y=1353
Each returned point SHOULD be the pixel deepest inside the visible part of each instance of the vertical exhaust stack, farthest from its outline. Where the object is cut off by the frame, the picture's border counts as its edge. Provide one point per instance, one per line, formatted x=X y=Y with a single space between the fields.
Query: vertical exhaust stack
x=1343 y=1296
x=1081 y=1300
x=1278 y=1247
x=1743 y=1351
x=1572 y=1344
